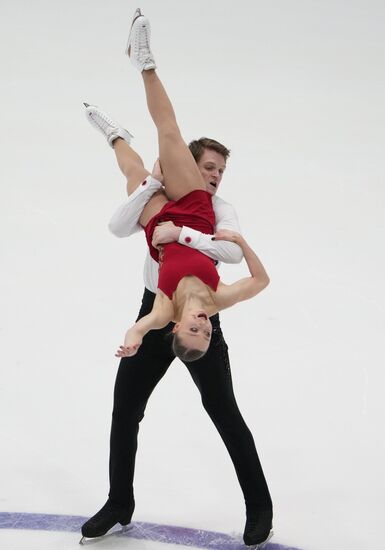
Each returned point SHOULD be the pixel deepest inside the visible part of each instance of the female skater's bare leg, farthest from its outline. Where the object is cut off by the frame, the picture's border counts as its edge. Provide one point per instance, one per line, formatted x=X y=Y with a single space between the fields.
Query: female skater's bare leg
x=181 y=174
x=180 y=171
x=130 y=164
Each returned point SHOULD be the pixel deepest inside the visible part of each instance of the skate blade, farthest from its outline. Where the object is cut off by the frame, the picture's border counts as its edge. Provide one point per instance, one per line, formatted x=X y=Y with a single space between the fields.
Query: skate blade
x=261 y=544
x=86 y=541
x=137 y=14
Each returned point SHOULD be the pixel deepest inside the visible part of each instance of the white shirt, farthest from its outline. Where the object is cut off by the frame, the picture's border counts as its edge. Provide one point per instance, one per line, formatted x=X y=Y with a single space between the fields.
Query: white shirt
x=125 y=222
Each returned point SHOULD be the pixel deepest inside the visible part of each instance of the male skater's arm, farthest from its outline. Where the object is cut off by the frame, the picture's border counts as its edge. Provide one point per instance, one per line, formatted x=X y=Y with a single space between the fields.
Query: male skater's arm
x=221 y=251
x=125 y=222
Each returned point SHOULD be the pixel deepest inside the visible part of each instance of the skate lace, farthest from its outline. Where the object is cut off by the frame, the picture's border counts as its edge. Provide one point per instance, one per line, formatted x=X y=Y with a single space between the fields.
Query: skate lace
x=144 y=45
x=104 y=122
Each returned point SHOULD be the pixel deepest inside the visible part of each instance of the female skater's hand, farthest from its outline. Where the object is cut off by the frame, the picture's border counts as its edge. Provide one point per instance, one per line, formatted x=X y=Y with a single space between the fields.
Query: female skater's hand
x=157 y=172
x=165 y=232
x=132 y=343
x=227 y=235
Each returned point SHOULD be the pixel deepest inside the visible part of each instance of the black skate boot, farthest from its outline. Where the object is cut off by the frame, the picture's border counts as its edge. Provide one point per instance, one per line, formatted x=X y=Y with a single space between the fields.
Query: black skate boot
x=105 y=519
x=258 y=528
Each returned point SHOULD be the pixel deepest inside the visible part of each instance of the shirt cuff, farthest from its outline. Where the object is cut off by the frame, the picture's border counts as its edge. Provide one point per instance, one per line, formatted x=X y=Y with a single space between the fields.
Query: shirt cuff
x=189 y=237
x=149 y=184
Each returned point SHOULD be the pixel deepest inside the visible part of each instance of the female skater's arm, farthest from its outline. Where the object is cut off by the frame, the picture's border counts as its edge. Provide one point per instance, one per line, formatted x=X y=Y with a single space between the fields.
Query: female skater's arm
x=159 y=317
x=247 y=288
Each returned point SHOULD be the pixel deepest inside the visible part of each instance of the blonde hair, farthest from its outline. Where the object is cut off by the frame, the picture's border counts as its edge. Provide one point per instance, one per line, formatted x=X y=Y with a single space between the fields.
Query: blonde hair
x=184 y=353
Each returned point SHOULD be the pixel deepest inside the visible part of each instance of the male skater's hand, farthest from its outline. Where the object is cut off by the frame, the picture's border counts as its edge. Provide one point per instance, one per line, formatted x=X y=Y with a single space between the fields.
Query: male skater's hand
x=157 y=172
x=165 y=232
x=132 y=343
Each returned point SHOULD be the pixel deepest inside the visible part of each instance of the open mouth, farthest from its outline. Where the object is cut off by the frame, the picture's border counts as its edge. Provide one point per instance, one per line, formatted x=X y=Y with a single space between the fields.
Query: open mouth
x=202 y=316
x=213 y=183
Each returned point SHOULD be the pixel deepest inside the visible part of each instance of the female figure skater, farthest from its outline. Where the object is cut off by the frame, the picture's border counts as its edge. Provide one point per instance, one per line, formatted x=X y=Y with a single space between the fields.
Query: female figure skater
x=189 y=289
x=139 y=374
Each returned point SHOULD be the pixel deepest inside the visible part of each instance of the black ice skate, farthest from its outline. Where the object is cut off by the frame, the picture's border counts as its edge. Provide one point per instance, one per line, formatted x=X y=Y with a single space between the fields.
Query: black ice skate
x=258 y=529
x=105 y=519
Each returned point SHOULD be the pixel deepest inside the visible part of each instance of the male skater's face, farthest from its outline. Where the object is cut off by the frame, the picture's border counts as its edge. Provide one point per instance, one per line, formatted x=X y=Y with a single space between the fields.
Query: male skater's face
x=212 y=165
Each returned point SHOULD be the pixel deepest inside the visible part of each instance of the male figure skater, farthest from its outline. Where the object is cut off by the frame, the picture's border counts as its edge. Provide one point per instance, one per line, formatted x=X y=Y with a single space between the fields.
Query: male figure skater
x=138 y=375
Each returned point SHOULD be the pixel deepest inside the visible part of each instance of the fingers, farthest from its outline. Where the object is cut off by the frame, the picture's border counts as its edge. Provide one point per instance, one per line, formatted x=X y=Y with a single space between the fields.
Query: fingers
x=159 y=236
x=155 y=238
x=217 y=237
x=157 y=171
x=128 y=351
x=225 y=235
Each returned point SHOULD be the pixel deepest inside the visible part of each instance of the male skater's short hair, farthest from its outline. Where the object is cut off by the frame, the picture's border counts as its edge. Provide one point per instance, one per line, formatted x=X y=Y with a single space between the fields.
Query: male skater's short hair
x=198 y=147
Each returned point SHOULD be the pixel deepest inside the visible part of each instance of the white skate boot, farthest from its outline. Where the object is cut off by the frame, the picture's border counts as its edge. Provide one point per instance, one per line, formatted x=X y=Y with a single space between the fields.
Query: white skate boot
x=108 y=127
x=138 y=45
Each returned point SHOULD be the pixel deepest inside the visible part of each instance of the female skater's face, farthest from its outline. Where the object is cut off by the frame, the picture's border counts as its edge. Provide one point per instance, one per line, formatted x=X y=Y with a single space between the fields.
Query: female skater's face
x=211 y=165
x=194 y=330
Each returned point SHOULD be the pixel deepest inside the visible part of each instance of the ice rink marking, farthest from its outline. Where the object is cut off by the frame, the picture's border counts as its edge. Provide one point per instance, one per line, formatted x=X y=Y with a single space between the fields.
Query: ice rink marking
x=147 y=531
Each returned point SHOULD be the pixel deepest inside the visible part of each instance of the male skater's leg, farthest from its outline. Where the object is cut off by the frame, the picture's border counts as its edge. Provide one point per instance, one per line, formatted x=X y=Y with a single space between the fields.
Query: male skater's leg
x=212 y=376
x=136 y=379
x=135 y=382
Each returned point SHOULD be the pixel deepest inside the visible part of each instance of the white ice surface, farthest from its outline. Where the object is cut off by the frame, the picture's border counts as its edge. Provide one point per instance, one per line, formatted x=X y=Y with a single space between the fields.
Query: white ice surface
x=37 y=540
x=296 y=90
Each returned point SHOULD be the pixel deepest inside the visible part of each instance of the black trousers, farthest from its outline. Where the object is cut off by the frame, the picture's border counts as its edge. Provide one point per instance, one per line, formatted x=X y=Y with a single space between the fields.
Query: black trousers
x=136 y=379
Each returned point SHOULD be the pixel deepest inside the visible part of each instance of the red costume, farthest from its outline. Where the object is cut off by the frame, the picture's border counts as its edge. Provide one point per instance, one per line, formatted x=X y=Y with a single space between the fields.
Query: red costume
x=175 y=260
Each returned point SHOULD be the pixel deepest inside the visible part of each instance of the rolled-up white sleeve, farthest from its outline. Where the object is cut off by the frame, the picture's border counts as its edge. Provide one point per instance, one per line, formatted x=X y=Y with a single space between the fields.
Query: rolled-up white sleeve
x=125 y=220
x=221 y=251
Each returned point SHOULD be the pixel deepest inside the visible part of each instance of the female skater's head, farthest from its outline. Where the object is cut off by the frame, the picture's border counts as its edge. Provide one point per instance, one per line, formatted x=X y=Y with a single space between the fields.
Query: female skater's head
x=192 y=335
x=211 y=157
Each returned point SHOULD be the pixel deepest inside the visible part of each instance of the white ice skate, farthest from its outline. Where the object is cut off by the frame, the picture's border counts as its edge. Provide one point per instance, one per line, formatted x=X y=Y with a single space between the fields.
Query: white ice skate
x=108 y=127
x=138 y=45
